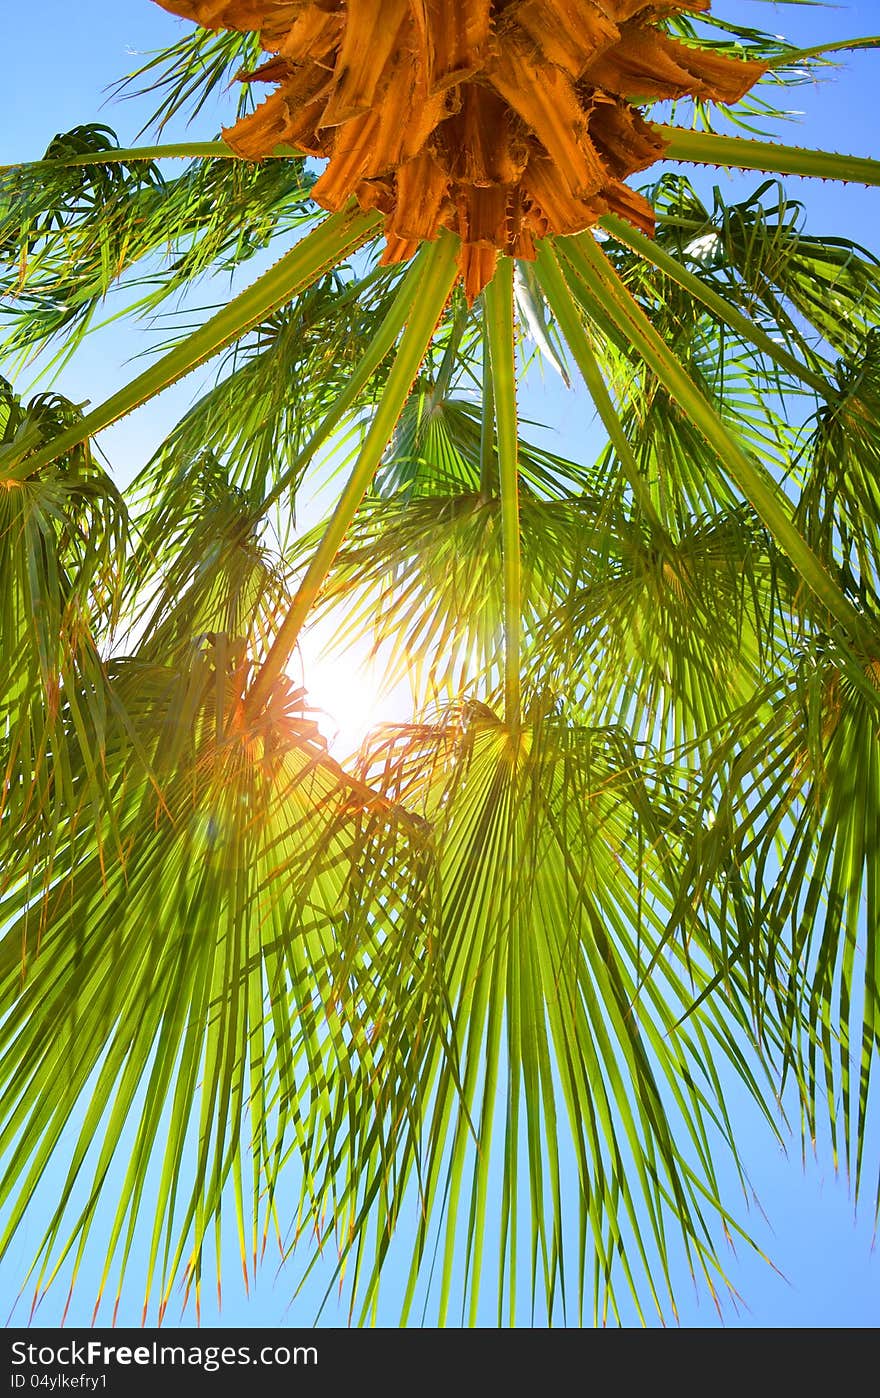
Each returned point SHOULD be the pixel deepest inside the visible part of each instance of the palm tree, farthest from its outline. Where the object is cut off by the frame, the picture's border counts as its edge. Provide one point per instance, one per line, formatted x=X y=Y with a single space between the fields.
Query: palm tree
x=491 y=980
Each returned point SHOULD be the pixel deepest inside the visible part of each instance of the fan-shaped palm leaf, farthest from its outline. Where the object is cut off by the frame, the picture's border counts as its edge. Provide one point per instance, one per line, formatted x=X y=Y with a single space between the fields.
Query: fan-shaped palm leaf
x=557 y=847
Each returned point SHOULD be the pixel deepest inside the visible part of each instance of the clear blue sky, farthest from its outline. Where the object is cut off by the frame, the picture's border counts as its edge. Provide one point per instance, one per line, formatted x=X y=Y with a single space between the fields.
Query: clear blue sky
x=58 y=60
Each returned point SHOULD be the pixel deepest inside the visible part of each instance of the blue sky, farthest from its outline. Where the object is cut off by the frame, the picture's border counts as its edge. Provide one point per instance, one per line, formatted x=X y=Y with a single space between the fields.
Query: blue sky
x=831 y=1276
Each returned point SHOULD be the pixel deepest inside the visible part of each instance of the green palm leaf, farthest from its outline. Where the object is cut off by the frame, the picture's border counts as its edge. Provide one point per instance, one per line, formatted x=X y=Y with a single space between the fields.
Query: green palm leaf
x=71 y=232
x=229 y=973
x=550 y=903
x=64 y=534
x=791 y=845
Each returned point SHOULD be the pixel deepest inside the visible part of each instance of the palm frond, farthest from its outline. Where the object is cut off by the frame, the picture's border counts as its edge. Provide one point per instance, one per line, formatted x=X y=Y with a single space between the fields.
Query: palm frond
x=64 y=535
x=555 y=844
x=234 y=983
x=666 y=637
x=188 y=73
x=70 y=233
x=422 y=578
x=793 y=796
x=756 y=250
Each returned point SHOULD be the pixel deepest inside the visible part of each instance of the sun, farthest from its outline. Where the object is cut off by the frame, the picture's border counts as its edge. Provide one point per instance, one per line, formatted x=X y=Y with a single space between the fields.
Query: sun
x=346 y=689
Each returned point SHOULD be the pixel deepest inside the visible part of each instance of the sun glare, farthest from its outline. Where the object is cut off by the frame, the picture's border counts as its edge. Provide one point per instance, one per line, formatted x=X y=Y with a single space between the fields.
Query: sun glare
x=347 y=691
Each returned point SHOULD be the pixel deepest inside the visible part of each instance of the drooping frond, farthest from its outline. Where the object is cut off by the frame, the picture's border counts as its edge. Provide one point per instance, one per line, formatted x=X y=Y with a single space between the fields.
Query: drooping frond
x=69 y=233
x=757 y=252
x=63 y=537
x=202 y=567
x=839 y=470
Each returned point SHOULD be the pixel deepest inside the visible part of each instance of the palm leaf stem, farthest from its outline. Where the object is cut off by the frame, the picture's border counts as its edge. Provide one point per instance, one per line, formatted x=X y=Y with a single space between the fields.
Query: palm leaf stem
x=173 y=150
x=440 y=272
x=871 y=41
x=381 y=344
x=498 y=300
x=450 y=354
x=741 y=324
x=740 y=153
x=333 y=239
x=694 y=147
x=487 y=426
x=561 y=303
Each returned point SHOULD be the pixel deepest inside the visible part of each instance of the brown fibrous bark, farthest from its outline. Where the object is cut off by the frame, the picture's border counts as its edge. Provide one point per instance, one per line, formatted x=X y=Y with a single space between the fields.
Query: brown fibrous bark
x=502 y=120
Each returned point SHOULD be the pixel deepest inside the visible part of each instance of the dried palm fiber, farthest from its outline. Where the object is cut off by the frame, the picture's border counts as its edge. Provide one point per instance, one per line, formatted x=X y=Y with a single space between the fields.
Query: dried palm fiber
x=503 y=120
